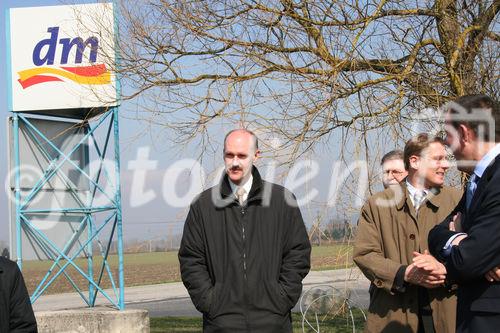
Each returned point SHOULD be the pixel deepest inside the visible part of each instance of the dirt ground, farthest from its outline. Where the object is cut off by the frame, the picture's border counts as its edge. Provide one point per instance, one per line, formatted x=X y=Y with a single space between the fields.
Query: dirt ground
x=153 y=268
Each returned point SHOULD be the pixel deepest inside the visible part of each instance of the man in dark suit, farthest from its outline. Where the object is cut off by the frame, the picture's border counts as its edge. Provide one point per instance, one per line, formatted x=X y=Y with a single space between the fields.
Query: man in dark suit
x=16 y=313
x=468 y=241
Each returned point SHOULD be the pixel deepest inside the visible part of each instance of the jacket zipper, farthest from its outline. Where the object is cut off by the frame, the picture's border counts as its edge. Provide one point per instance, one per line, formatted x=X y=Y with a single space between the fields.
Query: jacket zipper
x=243 y=235
x=244 y=244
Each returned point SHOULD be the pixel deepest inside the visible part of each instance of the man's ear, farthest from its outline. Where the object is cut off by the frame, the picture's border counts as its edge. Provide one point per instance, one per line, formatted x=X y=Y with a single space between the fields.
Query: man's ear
x=466 y=134
x=256 y=155
x=414 y=162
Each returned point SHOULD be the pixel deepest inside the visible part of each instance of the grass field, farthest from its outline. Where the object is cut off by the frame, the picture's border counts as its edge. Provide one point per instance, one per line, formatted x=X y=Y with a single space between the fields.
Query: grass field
x=159 y=267
x=328 y=324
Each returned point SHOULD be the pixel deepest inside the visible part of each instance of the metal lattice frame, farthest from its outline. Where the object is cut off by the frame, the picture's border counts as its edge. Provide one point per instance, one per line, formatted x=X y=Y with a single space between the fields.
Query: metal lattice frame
x=86 y=209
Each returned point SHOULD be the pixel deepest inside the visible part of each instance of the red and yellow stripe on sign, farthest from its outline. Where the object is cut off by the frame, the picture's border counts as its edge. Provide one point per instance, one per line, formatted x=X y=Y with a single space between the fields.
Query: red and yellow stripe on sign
x=95 y=74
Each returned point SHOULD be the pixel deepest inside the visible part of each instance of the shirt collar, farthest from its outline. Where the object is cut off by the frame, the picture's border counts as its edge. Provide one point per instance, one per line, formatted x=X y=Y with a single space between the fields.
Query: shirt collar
x=412 y=189
x=247 y=186
x=431 y=195
x=486 y=160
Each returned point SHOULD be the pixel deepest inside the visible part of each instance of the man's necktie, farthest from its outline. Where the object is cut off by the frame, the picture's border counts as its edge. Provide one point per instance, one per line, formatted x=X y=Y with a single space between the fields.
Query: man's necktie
x=471 y=188
x=240 y=194
x=418 y=199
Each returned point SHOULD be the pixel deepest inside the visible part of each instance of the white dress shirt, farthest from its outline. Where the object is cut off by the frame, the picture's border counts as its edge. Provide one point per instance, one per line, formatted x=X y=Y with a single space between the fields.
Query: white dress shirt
x=247 y=186
x=413 y=190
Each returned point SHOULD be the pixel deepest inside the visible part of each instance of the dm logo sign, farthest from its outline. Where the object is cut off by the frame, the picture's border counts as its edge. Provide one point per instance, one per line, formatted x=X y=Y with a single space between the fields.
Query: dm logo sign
x=61 y=57
x=44 y=54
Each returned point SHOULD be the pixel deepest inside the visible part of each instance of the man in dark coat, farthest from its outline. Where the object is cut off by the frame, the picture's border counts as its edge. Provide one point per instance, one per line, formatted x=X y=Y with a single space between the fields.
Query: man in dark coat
x=470 y=245
x=16 y=313
x=245 y=249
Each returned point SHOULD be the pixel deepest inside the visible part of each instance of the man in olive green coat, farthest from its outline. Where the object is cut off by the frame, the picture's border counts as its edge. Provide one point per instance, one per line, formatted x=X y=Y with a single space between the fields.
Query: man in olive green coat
x=392 y=231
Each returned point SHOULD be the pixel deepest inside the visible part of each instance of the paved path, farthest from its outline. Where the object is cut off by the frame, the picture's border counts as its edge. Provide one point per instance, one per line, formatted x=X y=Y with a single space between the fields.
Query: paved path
x=172 y=299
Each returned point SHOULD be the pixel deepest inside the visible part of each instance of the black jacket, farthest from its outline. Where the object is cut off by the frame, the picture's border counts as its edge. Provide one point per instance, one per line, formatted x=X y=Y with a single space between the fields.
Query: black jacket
x=478 y=308
x=16 y=313
x=243 y=266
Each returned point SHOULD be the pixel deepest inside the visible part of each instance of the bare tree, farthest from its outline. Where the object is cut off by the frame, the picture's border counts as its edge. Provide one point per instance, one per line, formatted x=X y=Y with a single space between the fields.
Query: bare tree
x=301 y=69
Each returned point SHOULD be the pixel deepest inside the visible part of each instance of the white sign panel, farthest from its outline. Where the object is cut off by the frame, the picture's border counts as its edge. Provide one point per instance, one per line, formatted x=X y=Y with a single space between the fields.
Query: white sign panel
x=62 y=57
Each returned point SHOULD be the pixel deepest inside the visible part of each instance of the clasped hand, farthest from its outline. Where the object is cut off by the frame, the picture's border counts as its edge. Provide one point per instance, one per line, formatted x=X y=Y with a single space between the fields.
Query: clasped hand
x=425 y=271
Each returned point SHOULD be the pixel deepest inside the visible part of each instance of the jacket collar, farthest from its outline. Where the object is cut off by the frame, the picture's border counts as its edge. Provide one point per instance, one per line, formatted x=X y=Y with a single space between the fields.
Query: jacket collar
x=490 y=170
x=485 y=179
x=433 y=196
x=227 y=196
x=487 y=160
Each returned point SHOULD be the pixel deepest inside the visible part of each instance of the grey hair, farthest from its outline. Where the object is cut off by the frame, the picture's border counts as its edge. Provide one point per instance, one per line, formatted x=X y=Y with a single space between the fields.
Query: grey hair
x=392 y=155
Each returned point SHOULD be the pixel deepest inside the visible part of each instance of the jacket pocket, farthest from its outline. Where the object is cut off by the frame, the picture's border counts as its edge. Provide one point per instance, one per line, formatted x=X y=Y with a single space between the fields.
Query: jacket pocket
x=282 y=302
x=215 y=300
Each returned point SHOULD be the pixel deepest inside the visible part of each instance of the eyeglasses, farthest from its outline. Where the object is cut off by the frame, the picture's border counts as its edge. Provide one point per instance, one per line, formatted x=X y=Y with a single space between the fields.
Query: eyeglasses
x=393 y=172
x=439 y=159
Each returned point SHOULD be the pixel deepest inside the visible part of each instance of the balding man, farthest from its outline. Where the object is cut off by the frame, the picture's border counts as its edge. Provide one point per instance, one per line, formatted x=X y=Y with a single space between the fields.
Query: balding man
x=245 y=249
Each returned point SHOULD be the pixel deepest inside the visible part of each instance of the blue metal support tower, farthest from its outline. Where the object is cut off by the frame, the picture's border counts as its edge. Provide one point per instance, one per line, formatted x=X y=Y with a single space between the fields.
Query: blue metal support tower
x=88 y=239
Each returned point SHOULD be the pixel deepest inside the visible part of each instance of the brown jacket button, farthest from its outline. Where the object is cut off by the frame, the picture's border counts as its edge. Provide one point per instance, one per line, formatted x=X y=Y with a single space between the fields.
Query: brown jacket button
x=378 y=283
x=412 y=236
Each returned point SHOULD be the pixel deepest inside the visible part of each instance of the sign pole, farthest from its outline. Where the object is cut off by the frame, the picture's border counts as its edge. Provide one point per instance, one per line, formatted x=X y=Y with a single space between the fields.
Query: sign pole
x=17 y=191
x=121 y=279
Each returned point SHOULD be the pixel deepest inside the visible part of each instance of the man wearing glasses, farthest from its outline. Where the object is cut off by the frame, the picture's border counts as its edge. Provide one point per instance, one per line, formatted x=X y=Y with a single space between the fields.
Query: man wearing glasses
x=393 y=168
x=392 y=233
